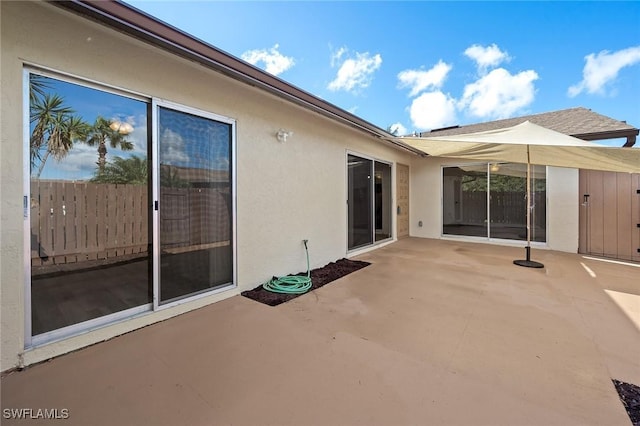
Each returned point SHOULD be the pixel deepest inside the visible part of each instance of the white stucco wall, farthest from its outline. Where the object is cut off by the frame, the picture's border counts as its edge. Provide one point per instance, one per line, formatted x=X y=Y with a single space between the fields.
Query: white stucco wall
x=562 y=204
x=563 y=207
x=286 y=192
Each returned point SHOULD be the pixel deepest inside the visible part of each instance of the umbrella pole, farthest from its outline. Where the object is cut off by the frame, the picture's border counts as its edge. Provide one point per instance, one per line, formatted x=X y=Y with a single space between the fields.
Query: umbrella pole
x=527 y=262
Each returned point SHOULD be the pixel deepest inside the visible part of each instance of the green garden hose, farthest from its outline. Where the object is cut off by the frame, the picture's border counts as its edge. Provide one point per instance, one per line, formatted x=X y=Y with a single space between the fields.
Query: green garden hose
x=291 y=284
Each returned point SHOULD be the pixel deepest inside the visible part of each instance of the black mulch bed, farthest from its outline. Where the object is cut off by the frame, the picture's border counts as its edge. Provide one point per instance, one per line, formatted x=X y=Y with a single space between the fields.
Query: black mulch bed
x=319 y=277
x=630 y=397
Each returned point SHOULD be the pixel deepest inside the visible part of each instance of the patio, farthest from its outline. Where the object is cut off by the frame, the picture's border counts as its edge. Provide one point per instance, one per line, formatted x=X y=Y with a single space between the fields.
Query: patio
x=432 y=332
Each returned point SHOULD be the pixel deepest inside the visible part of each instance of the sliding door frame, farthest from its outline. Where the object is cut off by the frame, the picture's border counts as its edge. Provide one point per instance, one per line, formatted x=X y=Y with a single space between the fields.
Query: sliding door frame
x=372 y=218
x=156 y=104
x=488 y=225
x=153 y=105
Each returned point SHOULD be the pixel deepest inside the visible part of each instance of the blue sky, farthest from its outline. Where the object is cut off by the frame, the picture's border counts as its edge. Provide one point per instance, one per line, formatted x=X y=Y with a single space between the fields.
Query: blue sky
x=422 y=65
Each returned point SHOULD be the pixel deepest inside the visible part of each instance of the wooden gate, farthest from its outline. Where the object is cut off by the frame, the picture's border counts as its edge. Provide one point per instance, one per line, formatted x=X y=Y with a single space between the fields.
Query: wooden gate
x=610 y=214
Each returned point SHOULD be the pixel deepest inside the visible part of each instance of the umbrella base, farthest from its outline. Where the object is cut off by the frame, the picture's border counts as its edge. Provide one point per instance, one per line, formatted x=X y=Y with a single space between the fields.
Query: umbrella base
x=528 y=263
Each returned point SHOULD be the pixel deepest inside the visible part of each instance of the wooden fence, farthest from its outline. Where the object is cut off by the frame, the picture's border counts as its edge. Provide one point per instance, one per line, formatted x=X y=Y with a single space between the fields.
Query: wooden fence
x=75 y=222
x=506 y=207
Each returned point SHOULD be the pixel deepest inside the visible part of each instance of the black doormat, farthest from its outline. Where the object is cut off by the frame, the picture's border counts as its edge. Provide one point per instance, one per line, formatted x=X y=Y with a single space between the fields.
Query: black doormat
x=630 y=397
x=319 y=277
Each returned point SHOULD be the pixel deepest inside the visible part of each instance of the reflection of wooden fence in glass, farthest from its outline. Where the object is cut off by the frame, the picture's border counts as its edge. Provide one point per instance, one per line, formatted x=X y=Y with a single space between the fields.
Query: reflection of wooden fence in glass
x=74 y=222
x=506 y=207
x=194 y=217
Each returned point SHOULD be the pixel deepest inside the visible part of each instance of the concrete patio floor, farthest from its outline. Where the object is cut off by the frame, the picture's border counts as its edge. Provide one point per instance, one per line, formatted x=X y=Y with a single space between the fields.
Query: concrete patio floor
x=431 y=333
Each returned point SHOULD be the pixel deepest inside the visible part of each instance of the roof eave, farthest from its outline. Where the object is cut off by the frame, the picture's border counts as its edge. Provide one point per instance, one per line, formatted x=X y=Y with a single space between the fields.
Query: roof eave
x=140 y=25
x=629 y=134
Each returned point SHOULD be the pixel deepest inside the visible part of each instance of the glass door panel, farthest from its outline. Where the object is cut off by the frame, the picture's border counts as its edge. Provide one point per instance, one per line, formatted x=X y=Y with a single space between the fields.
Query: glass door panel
x=508 y=201
x=382 y=197
x=360 y=226
x=195 y=211
x=89 y=204
x=464 y=200
x=508 y=208
x=539 y=203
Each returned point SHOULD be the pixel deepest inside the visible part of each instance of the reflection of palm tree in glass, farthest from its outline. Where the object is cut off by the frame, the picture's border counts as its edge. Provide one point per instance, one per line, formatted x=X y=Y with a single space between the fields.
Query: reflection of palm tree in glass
x=132 y=170
x=56 y=128
x=38 y=86
x=100 y=133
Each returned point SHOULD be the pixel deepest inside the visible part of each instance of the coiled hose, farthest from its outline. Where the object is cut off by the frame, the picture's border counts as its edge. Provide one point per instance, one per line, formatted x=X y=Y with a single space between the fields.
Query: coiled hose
x=291 y=284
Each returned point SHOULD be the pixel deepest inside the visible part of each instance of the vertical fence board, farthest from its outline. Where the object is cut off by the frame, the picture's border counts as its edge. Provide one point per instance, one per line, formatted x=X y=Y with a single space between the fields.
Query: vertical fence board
x=81 y=225
x=635 y=217
x=596 y=212
x=623 y=220
x=610 y=214
x=101 y=223
x=91 y=220
x=70 y=232
x=111 y=220
x=583 y=241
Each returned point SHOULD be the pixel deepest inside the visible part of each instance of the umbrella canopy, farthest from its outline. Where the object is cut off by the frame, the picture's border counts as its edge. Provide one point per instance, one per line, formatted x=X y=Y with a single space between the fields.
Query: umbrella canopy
x=530 y=143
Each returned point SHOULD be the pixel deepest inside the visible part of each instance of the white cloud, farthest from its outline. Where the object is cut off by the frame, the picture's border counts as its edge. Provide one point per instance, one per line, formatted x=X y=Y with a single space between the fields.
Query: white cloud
x=138 y=137
x=274 y=62
x=602 y=68
x=432 y=110
x=398 y=129
x=172 y=148
x=499 y=94
x=354 y=73
x=79 y=164
x=486 y=57
x=337 y=55
x=419 y=80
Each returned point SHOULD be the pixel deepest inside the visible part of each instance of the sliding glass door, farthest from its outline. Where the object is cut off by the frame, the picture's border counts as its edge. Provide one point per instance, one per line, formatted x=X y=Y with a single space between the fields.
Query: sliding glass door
x=195 y=209
x=368 y=201
x=464 y=200
x=87 y=202
x=490 y=200
x=128 y=204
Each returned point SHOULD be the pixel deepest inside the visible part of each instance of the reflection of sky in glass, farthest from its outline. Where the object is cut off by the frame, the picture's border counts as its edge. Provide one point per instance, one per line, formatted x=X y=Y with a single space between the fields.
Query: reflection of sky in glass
x=194 y=142
x=80 y=162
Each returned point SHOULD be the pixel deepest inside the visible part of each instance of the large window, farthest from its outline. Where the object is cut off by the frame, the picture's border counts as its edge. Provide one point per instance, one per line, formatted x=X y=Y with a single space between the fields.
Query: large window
x=95 y=219
x=368 y=201
x=490 y=200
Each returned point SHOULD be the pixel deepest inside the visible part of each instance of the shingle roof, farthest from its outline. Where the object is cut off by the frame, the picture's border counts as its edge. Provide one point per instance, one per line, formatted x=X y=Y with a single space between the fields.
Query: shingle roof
x=579 y=122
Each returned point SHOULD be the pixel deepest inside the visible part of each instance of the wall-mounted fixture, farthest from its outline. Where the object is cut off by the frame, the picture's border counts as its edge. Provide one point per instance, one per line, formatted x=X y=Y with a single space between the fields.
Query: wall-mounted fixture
x=283 y=135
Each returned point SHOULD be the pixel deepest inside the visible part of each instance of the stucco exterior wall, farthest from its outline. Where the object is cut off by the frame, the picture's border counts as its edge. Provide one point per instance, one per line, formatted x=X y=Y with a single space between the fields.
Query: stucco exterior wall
x=562 y=204
x=286 y=192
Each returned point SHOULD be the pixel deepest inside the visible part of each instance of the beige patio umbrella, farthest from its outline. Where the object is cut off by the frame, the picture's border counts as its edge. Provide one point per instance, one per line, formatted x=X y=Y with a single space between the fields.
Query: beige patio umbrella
x=529 y=144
